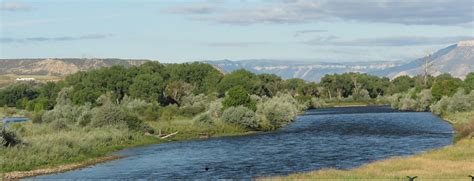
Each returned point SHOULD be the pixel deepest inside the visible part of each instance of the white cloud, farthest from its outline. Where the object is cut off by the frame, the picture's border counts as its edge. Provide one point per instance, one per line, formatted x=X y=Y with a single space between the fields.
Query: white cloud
x=192 y=9
x=14 y=6
x=54 y=39
x=408 y=12
x=388 y=41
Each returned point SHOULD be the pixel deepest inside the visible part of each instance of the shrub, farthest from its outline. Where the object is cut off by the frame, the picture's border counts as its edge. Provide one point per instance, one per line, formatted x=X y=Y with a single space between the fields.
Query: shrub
x=424 y=100
x=59 y=125
x=382 y=100
x=192 y=105
x=439 y=108
x=152 y=112
x=240 y=116
x=190 y=111
x=215 y=108
x=37 y=117
x=411 y=100
x=168 y=112
x=459 y=102
x=68 y=113
x=238 y=96
x=203 y=119
x=407 y=104
x=85 y=118
x=466 y=129
x=8 y=138
x=318 y=103
x=134 y=105
x=361 y=95
x=110 y=114
x=107 y=114
x=277 y=111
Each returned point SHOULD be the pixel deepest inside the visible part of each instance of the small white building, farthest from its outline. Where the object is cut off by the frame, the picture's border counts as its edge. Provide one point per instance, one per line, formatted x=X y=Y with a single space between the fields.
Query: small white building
x=25 y=79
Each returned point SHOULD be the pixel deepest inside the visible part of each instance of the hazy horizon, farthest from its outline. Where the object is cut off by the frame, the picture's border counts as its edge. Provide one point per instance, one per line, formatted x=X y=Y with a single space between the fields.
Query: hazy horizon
x=195 y=30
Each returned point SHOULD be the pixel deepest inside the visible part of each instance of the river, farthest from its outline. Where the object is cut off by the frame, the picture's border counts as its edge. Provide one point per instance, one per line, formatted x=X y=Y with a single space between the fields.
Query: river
x=340 y=138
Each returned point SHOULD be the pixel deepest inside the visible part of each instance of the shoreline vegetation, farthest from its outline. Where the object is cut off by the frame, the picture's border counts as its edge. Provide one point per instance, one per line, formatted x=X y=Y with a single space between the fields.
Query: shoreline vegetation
x=89 y=115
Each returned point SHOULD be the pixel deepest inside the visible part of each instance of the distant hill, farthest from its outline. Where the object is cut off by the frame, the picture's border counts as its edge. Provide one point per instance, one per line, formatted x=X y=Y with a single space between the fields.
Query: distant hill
x=60 y=66
x=457 y=60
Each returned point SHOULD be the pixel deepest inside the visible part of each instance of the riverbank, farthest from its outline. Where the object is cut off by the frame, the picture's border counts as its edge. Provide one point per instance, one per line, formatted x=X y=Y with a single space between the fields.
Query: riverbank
x=452 y=162
x=52 y=152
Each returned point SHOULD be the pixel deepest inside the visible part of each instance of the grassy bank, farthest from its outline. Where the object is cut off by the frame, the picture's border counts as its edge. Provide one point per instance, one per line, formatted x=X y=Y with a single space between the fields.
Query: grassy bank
x=45 y=149
x=451 y=162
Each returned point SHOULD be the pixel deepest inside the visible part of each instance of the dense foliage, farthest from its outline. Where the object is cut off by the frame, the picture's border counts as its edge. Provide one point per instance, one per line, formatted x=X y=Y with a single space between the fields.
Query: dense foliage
x=128 y=97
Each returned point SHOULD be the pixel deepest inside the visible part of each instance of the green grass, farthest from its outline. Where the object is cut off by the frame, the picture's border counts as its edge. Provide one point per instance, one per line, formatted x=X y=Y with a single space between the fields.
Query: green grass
x=188 y=130
x=352 y=103
x=45 y=148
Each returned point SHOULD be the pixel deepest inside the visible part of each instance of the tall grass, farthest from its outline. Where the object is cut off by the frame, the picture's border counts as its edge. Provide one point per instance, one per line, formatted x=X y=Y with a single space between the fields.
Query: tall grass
x=44 y=147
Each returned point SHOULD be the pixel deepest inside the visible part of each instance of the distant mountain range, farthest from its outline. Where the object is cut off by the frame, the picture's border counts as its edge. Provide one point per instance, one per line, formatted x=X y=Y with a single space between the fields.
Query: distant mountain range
x=311 y=71
x=457 y=60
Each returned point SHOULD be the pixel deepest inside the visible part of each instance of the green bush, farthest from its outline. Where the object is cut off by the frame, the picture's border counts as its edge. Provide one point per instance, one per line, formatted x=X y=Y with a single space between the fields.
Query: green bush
x=169 y=112
x=457 y=103
x=238 y=96
x=37 y=117
x=215 y=108
x=425 y=99
x=8 y=138
x=68 y=113
x=203 y=119
x=240 y=116
x=460 y=102
x=318 y=103
x=59 y=125
x=277 y=111
x=411 y=100
x=360 y=95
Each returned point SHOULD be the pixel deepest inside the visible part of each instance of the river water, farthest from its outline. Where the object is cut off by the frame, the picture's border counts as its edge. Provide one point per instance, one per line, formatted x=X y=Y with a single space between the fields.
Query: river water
x=340 y=138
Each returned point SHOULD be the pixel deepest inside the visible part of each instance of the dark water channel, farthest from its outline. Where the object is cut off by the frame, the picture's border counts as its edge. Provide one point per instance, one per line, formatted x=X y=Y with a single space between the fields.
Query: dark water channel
x=335 y=137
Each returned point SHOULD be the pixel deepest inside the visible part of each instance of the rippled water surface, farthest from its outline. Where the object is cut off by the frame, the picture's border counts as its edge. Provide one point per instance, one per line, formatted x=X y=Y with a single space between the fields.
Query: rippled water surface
x=335 y=137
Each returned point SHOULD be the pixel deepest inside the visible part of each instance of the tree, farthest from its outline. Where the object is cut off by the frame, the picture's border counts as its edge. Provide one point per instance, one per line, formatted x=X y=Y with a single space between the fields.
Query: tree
x=241 y=77
x=19 y=92
x=268 y=85
x=469 y=82
x=238 y=96
x=177 y=90
x=203 y=77
x=147 y=87
x=401 y=84
x=295 y=86
x=445 y=85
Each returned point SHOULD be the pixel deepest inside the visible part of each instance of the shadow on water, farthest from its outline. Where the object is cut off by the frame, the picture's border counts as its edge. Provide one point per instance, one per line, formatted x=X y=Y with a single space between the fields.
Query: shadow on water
x=334 y=137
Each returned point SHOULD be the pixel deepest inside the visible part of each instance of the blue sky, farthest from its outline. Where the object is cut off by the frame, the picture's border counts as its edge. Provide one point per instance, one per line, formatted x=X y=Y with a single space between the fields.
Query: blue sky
x=178 y=31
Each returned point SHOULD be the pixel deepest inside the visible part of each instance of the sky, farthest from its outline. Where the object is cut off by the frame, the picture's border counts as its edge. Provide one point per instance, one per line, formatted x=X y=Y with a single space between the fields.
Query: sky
x=180 y=31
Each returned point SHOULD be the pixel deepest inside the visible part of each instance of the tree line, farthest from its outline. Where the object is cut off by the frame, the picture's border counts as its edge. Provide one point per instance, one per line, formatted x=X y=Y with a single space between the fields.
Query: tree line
x=167 y=84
